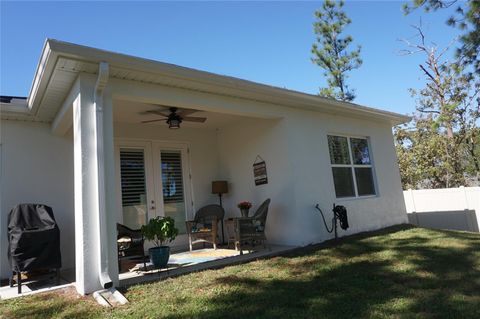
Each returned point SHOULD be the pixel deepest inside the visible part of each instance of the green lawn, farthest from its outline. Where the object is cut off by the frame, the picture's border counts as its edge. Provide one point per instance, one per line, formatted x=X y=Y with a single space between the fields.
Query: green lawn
x=400 y=272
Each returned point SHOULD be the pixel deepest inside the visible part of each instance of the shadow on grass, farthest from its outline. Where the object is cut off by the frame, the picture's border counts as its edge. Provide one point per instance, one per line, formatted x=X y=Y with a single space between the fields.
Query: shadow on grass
x=51 y=305
x=409 y=277
x=400 y=272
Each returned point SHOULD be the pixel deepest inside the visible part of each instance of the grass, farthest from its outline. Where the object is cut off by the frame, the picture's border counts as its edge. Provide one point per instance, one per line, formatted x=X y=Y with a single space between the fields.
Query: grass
x=400 y=272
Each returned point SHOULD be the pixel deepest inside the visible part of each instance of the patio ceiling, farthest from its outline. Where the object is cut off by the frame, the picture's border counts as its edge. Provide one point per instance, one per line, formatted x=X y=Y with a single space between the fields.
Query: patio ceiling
x=133 y=112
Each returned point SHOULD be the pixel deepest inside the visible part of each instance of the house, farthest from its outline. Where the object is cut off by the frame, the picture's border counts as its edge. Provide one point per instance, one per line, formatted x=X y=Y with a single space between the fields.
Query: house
x=91 y=140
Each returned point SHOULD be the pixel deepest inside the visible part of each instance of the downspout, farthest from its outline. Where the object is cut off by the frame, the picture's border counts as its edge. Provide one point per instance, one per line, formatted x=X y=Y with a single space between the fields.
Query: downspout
x=100 y=85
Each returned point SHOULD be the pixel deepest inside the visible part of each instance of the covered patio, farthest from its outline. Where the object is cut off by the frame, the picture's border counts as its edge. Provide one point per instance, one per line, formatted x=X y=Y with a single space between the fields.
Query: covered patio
x=130 y=164
x=152 y=170
x=173 y=172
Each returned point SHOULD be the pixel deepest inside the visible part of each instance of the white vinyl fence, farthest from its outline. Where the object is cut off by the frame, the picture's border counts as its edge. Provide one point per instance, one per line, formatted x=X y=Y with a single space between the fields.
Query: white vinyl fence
x=447 y=208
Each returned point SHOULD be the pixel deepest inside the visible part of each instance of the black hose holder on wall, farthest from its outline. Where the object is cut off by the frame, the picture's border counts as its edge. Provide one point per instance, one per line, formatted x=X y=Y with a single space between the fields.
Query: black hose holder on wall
x=339 y=214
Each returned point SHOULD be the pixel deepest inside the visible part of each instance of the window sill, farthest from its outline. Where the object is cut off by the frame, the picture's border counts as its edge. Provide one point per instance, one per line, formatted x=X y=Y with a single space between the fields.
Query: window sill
x=355 y=198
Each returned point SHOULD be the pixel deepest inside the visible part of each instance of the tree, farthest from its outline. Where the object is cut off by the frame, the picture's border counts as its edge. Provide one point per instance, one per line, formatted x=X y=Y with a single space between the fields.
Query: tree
x=423 y=158
x=440 y=148
x=331 y=50
x=466 y=18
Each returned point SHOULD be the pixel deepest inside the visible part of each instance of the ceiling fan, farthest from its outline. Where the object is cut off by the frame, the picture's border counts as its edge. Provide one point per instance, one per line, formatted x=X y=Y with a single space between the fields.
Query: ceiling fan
x=175 y=117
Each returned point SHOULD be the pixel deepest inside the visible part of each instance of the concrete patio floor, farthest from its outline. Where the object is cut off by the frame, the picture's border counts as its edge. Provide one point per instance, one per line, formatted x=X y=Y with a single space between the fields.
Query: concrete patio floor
x=39 y=284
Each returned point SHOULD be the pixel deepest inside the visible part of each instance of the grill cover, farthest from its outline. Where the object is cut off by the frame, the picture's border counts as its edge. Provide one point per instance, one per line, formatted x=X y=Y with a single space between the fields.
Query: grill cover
x=33 y=238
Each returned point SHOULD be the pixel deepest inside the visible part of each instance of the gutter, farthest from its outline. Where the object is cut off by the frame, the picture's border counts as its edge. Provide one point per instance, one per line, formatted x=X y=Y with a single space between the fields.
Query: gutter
x=102 y=80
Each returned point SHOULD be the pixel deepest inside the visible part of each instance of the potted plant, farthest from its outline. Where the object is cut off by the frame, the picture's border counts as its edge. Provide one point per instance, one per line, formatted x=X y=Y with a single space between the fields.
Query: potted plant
x=244 y=208
x=160 y=230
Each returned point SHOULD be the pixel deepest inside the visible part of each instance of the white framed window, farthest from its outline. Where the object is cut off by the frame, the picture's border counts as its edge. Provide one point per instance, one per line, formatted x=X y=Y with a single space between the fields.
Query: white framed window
x=352 y=167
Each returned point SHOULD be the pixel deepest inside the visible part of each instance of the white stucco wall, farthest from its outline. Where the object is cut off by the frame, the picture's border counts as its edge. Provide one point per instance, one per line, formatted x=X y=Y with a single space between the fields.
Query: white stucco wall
x=239 y=146
x=313 y=181
x=298 y=165
x=37 y=168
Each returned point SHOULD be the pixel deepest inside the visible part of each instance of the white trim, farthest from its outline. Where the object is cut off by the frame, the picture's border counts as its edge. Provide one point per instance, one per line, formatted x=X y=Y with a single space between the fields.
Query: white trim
x=43 y=73
x=355 y=198
x=352 y=168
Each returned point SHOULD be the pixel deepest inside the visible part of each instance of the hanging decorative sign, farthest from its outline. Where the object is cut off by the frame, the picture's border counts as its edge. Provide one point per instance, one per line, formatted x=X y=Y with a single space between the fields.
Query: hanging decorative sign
x=260 y=171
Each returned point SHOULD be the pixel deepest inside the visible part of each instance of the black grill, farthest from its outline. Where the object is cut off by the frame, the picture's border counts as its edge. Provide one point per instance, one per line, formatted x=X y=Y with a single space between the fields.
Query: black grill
x=33 y=240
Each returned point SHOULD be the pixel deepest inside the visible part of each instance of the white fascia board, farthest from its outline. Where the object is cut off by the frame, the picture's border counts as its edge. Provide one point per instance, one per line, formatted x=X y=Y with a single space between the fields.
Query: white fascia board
x=241 y=88
x=41 y=79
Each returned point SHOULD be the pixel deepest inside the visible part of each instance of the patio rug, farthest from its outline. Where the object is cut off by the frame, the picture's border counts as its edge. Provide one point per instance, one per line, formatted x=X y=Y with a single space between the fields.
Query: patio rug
x=191 y=258
x=201 y=256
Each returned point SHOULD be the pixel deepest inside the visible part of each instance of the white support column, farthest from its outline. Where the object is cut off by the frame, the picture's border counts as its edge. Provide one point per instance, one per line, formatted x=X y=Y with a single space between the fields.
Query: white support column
x=95 y=218
x=86 y=188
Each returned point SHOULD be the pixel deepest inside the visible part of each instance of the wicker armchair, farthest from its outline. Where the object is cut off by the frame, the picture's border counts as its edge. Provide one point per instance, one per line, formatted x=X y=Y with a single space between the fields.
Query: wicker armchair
x=129 y=244
x=204 y=227
x=252 y=229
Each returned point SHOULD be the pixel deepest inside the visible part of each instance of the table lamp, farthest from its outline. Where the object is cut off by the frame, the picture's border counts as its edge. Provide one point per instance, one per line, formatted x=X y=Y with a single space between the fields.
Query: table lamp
x=220 y=187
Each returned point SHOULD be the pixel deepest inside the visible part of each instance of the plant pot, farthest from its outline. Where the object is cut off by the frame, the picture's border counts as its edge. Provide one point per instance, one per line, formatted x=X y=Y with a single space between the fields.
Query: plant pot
x=244 y=212
x=159 y=256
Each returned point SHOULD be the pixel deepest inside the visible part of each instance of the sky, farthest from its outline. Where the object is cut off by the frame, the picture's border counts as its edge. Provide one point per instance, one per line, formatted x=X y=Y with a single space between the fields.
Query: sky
x=266 y=42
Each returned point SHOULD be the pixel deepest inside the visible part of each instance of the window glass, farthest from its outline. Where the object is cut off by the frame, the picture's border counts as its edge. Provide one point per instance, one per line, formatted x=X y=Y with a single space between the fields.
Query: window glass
x=351 y=166
x=173 y=190
x=364 y=178
x=343 y=179
x=338 y=147
x=360 y=153
x=134 y=190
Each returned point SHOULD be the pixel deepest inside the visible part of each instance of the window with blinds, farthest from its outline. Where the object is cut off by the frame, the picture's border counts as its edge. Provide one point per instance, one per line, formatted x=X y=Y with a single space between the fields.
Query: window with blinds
x=132 y=170
x=351 y=166
x=172 y=177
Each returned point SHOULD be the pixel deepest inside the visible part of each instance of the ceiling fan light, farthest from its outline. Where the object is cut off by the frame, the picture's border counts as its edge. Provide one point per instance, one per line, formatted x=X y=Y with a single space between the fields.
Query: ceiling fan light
x=174 y=122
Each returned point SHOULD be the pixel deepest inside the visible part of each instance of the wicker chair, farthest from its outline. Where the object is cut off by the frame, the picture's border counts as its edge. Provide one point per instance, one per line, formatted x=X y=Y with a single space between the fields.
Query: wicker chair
x=130 y=244
x=252 y=229
x=204 y=227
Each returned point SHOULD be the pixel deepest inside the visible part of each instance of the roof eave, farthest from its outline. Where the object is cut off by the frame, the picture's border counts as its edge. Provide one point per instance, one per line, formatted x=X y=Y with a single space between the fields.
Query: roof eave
x=53 y=49
x=41 y=78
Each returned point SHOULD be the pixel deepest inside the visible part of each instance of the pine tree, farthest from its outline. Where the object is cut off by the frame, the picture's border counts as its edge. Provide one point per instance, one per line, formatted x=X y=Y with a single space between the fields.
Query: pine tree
x=331 y=50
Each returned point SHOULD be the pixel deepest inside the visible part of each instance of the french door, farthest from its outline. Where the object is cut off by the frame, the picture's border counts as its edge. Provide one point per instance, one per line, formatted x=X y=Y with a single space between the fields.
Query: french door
x=154 y=181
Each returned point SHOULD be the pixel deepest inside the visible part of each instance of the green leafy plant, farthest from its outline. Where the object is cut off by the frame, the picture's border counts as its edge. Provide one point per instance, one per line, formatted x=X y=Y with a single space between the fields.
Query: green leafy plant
x=160 y=230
